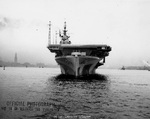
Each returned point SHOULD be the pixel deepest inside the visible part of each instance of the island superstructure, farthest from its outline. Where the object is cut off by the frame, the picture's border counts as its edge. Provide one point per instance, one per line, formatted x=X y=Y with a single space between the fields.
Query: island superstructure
x=77 y=60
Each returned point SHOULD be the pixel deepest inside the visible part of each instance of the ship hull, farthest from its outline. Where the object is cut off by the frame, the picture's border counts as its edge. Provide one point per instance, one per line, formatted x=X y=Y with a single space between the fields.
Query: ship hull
x=78 y=65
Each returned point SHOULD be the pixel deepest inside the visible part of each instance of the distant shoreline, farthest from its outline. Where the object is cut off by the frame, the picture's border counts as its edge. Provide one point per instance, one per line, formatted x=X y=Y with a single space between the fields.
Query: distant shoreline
x=57 y=66
x=26 y=64
x=42 y=65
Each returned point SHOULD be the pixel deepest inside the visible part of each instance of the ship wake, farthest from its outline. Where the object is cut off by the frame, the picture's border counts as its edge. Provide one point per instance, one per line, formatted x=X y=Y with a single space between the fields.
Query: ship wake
x=91 y=77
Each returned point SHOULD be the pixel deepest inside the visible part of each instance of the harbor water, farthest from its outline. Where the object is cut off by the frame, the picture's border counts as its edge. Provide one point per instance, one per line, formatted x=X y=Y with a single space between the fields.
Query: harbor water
x=42 y=93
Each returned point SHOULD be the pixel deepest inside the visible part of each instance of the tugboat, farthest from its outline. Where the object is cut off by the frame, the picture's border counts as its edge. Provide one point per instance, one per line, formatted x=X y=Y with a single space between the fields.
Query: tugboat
x=146 y=65
x=77 y=60
x=123 y=68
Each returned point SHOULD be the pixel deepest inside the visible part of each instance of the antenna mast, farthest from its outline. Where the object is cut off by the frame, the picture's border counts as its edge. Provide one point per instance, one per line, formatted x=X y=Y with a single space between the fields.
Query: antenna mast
x=55 y=37
x=49 y=35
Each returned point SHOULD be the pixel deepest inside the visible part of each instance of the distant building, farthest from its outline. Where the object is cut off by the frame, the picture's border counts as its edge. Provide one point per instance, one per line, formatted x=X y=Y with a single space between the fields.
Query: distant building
x=15 y=59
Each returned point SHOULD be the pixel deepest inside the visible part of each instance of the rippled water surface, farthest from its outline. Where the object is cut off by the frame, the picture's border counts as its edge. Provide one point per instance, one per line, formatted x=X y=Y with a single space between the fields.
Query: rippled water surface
x=41 y=93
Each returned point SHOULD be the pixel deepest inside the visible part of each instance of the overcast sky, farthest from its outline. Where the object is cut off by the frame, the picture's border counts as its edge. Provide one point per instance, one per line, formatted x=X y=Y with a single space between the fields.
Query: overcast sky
x=122 y=24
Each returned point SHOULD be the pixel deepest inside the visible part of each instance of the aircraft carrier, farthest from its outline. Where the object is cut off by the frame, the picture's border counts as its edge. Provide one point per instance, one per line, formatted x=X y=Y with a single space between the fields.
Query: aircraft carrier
x=77 y=60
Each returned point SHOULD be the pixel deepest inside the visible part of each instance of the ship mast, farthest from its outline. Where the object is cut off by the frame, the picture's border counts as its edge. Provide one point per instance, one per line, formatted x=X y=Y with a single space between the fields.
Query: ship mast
x=55 y=37
x=65 y=31
x=49 y=34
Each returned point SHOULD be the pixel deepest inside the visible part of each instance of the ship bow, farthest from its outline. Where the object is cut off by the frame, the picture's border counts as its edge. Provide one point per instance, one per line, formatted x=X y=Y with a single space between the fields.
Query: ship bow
x=78 y=65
